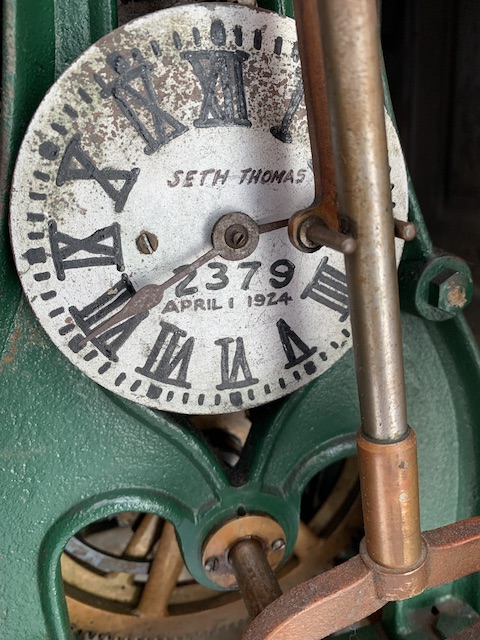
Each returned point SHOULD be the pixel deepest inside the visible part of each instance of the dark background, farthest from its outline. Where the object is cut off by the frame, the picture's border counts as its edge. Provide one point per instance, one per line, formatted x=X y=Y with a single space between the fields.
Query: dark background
x=432 y=56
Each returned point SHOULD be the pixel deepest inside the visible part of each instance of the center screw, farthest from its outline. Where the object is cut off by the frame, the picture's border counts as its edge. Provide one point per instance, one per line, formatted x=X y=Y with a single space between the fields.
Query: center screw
x=236 y=236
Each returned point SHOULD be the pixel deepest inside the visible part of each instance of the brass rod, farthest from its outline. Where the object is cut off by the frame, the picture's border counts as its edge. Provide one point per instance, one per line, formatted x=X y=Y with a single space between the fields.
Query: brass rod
x=387 y=448
x=352 y=66
x=405 y=230
x=318 y=234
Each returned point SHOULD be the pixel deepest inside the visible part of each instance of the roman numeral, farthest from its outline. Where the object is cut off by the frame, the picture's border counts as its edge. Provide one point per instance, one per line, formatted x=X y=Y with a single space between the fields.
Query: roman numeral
x=237 y=375
x=134 y=93
x=102 y=248
x=100 y=310
x=76 y=164
x=282 y=131
x=168 y=357
x=329 y=287
x=221 y=77
x=292 y=344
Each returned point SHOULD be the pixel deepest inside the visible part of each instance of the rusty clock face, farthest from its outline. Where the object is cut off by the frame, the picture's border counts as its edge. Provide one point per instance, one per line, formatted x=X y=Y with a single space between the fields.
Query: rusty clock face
x=155 y=133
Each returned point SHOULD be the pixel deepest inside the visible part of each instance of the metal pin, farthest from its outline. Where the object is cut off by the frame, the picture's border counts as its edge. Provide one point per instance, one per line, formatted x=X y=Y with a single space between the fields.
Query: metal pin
x=405 y=230
x=314 y=234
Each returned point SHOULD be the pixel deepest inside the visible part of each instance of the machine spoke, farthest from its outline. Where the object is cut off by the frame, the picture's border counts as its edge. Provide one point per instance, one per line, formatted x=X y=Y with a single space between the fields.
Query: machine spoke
x=164 y=572
x=306 y=542
x=144 y=537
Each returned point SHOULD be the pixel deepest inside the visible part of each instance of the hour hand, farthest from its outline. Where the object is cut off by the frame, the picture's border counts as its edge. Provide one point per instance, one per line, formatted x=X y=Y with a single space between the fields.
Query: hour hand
x=141 y=302
x=147 y=297
x=234 y=237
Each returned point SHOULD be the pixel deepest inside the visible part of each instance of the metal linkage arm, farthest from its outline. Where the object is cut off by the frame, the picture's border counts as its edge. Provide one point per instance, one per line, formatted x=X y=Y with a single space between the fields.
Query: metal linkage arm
x=356 y=589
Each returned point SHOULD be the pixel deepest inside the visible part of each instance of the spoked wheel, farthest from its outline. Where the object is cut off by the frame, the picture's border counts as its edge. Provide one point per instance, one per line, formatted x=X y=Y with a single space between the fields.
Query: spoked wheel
x=125 y=577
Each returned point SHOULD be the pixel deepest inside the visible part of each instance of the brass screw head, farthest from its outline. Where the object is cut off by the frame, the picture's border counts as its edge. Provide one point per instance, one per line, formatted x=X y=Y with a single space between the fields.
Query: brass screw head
x=147 y=242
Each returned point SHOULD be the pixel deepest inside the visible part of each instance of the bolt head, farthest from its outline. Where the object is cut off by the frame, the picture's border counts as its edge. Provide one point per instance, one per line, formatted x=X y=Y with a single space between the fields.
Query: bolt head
x=450 y=291
x=211 y=564
x=278 y=545
x=147 y=242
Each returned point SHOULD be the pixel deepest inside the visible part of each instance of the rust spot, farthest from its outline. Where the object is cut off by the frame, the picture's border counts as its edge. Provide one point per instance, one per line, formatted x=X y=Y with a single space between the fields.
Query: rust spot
x=457 y=297
x=9 y=357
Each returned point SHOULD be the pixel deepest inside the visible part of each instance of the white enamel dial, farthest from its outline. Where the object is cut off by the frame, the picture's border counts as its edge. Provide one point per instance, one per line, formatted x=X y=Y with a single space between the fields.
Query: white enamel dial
x=145 y=142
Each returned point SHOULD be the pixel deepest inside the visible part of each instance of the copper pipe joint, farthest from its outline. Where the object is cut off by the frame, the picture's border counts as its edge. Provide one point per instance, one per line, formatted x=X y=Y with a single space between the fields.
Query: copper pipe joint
x=390 y=497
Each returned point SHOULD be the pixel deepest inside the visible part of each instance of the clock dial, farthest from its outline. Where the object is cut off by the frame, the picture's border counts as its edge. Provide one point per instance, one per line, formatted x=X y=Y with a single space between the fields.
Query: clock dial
x=153 y=135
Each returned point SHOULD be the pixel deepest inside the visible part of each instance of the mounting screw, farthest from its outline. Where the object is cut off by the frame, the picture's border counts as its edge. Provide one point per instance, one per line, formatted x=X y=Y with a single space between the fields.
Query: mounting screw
x=278 y=545
x=147 y=242
x=449 y=291
x=211 y=565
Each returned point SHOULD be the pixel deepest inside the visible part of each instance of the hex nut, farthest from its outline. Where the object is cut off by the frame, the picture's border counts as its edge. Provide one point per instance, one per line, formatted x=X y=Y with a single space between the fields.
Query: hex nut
x=449 y=292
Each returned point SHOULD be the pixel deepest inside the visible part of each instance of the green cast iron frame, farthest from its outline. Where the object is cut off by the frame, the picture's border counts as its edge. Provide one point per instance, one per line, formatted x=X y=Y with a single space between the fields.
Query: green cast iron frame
x=72 y=453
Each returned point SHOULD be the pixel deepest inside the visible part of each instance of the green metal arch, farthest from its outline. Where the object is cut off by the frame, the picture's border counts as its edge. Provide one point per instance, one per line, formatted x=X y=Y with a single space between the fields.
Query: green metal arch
x=50 y=583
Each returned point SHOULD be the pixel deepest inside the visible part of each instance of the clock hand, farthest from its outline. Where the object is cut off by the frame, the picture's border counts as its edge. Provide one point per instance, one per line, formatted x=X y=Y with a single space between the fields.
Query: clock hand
x=272 y=226
x=234 y=237
x=148 y=297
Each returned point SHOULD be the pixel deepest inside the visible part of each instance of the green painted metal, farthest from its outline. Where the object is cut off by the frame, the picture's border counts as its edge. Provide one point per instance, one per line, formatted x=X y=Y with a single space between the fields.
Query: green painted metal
x=72 y=453
x=62 y=471
x=325 y=417
x=40 y=39
x=283 y=7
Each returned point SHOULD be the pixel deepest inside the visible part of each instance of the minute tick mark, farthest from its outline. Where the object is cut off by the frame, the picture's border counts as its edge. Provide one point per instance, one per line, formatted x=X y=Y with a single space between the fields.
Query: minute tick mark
x=70 y=111
x=40 y=175
x=84 y=96
x=58 y=128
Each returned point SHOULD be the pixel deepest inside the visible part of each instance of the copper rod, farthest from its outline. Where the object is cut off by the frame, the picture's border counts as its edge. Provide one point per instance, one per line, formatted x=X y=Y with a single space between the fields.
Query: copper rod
x=353 y=591
x=317 y=608
x=389 y=481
